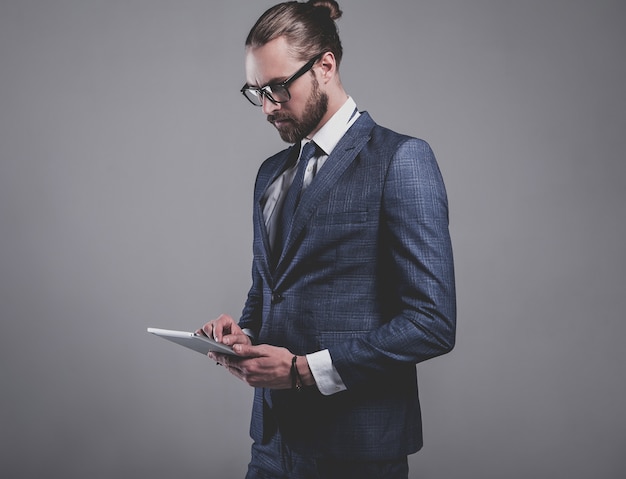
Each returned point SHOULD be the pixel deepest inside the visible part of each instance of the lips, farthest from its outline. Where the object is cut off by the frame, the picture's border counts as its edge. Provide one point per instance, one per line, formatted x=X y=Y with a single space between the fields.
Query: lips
x=278 y=121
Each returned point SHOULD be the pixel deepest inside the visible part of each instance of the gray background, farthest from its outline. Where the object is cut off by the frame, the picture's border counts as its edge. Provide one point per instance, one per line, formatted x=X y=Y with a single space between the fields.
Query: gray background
x=127 y=159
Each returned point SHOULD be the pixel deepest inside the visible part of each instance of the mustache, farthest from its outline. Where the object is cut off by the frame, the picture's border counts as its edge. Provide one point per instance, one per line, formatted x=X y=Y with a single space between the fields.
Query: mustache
x=274 y=118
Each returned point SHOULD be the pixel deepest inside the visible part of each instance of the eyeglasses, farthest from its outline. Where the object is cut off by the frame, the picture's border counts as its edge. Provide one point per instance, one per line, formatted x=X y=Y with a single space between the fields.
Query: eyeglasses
x=277 y=92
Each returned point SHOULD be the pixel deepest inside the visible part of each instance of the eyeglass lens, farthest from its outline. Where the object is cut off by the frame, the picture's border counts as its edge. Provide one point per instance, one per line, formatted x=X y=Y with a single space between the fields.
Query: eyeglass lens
x=275 y=93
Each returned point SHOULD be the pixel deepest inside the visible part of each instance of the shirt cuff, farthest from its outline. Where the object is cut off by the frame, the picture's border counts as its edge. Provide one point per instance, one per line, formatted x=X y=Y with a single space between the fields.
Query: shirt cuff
x=326 y=376
x=250 y=334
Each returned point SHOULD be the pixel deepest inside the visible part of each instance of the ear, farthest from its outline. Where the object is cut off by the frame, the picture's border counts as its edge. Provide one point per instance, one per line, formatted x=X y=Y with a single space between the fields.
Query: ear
x=327 y=66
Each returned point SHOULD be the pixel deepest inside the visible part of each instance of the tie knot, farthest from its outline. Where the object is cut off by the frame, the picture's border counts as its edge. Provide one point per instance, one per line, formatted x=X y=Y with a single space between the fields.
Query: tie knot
x=308 y=151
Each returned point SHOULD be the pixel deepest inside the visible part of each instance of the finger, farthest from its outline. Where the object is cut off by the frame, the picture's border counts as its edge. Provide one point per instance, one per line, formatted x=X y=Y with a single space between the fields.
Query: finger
x=207 y=329
x=202 y=331
x=218 y=358
x=237 y=338
x=247 y=350
x=232 y=367
x=221 y=326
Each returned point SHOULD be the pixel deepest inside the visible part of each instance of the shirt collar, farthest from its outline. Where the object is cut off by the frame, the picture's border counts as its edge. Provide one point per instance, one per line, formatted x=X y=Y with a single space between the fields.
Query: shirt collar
x=329 y=135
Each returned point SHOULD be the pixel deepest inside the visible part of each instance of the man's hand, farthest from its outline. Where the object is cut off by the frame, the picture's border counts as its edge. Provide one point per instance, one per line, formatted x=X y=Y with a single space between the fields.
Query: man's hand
x=225 y=330
x=259 y=366
x=264 y=366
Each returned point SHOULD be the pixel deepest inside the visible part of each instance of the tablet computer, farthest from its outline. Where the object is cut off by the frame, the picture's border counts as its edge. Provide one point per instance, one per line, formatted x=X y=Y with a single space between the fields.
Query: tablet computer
x=197 y=342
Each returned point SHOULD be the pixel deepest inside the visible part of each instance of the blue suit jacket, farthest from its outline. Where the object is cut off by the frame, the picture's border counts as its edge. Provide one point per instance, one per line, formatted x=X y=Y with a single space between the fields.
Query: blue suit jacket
x=366 y=273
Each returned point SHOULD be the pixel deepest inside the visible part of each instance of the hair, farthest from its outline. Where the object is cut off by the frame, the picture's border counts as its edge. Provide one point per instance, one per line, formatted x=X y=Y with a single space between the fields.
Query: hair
x=309 y=28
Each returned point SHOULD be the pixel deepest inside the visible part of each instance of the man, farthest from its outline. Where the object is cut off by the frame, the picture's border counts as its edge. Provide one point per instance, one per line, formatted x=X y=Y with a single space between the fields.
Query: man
x=352 y=271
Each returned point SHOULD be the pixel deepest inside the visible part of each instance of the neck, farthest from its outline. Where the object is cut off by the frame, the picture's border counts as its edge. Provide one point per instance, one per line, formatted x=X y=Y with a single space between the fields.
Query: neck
x=336 y=98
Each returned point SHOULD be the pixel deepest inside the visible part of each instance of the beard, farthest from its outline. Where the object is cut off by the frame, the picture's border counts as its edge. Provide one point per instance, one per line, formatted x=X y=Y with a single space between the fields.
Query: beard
x=314 y=110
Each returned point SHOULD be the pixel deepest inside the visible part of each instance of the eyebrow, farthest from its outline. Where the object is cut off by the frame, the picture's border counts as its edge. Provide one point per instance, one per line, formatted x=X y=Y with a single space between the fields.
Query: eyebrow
x=273 y=81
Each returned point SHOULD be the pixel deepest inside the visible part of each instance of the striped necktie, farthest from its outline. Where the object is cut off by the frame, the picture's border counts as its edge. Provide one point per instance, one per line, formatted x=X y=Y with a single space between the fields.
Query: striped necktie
x=291 y=200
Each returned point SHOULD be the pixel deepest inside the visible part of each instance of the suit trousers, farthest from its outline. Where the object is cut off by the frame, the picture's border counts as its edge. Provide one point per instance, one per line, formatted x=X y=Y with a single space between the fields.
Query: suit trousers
x=276 y=460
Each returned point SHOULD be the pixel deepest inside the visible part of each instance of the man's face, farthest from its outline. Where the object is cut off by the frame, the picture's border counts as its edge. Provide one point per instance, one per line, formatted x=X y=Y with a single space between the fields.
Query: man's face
x=302 y=114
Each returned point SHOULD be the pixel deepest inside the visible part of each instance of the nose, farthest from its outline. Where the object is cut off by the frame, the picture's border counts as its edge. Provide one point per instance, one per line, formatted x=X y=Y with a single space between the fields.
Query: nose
x=269 y=106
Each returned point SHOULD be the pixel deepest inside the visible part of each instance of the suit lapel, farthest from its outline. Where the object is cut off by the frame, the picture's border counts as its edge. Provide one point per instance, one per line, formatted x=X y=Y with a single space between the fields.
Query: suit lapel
x=339 y=160
x=282 y=161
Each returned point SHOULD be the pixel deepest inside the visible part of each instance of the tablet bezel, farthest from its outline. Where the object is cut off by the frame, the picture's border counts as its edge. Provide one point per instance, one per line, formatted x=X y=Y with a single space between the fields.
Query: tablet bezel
x=200 y=344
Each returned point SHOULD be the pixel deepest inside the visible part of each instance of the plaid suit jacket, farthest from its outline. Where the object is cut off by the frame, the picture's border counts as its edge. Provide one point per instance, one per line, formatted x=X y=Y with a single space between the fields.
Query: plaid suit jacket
x=366 y=273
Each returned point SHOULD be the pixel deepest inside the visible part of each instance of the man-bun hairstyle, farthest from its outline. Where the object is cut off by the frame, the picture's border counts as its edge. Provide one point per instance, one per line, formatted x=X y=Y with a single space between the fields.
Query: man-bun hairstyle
x=309 y=28
x=330 y=5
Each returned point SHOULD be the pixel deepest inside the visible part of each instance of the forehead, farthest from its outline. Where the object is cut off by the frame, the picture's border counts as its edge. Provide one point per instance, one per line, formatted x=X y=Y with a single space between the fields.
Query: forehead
x=270 y=63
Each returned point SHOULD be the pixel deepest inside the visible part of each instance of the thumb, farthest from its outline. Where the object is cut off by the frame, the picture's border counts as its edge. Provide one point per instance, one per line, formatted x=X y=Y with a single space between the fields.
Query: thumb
x=247 y=350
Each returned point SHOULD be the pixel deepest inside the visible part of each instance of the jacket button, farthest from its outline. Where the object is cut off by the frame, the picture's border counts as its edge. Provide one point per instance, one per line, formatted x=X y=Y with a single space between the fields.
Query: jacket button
x=277 y=298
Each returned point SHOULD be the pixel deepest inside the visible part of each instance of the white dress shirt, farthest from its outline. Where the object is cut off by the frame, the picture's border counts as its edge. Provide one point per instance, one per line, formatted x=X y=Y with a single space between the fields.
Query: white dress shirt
x=326 y=376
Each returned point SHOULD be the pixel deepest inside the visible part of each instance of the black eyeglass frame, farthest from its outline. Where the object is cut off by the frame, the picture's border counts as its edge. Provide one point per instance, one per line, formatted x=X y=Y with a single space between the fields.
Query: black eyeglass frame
x=265 y=90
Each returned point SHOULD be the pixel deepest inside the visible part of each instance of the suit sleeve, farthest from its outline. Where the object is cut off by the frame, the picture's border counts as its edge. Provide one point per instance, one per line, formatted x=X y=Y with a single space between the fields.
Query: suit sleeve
x=419 y=276
x=251 y=315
